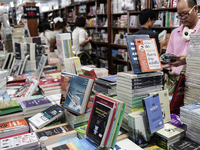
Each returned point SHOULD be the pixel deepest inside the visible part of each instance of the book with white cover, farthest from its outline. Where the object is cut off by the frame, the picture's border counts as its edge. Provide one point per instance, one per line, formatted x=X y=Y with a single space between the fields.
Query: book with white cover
x=16 y=67
x=23 y=64
x=8 y=61
x=41 y=66
x=19 y=50
x=12 y=65
x=162 y=35
x=31 y=50
x=45 y=117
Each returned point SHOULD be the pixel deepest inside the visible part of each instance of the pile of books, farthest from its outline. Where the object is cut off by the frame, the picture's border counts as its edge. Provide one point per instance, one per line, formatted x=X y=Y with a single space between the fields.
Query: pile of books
x=192 y=86
x=8 y=107
x=189 y=114
x=106 y=85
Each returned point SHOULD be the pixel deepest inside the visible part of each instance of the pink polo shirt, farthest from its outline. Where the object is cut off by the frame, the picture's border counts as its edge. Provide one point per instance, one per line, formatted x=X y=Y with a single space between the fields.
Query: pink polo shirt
x=178 y=46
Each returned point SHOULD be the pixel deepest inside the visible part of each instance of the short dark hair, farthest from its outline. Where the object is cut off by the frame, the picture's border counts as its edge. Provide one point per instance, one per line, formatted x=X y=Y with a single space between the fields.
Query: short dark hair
x=80 y=21
x=191 y=3
x=145 y=14
x=59 y=25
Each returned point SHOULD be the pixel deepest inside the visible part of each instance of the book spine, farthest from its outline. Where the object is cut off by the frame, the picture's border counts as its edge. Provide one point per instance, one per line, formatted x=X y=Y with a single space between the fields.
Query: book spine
x=161 y=141
x=145 y=111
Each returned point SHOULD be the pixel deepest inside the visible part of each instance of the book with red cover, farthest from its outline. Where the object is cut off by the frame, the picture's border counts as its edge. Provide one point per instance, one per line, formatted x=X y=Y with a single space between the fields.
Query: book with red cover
x=16 y=78
x=30 y=88
x=16 y=84
x=51 y=71
x=148 y=55
x=49 y=82
x=178 y=97
x=96 y=131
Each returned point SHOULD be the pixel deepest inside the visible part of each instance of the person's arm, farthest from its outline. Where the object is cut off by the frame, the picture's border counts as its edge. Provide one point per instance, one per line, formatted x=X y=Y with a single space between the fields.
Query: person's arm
x=83 y=39
x=181 y=60
x=52 y=44
x=86 y=41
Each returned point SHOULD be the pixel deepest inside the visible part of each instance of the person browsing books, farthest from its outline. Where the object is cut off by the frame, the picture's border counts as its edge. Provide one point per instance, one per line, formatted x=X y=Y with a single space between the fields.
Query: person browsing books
x=146 y=19
x=179 y=39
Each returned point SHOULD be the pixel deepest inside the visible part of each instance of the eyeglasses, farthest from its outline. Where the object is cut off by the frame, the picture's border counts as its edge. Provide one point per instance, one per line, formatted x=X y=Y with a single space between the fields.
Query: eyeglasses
x=185 y=15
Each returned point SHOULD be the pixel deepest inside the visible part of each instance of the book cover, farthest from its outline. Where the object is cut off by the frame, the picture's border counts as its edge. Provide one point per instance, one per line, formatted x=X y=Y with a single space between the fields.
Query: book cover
x=184 y=144
x=132 y=51
x=77 y=64
x=12 y=64
x=99 y=121
x=170 y=131
x=164 y=103
x=154 y=114
x=49 y=82
x=23 y=64
x=48 y=115
x=40 y=66
x=16 y=78
x=16 y=67
x=112 y=78
x=8 y=104
x=78 y=94
x=9 y=111
x=83 y=144
x=172 y=18
x=65 y=82
x=34 y=102
x=18 y=142
x=16 y=84
x=31 y=88
x=147 y=51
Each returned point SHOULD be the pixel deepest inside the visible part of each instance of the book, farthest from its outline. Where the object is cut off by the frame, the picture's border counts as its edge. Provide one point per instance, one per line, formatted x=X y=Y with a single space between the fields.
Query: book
x=100 y=120
x=148 y=56
x=154 y=114
x=49 y=82
x=164 y=103
x=162 y=35
x=8 y=61
x=154 y=147
x=83 y=144
x=69 y=65
x=13 y=127
x=65 y=82
x=8 y=104
x=77 y=64
x=41 y=64
x=29 y=90
x=16 y=78
x=112 y=78
x=19 y=50
x=10 y=110
x=16 y=67
x=184 y=144
x=23 y=64
x=133 y=53
x=24 y=141
x=35 y=104
x=126 y=144
x=78 y=94
x=48 y=115
x=50 y=135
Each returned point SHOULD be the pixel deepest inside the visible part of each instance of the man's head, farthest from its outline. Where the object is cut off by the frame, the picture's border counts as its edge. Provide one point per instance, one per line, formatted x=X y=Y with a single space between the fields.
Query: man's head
x=147 y=17
x=187 y=12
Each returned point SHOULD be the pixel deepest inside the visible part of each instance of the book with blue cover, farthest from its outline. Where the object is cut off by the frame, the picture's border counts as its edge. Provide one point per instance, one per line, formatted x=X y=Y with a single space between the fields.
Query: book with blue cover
x=133 y=53
x=78 y=94
x=112 y=78
x=154 y=113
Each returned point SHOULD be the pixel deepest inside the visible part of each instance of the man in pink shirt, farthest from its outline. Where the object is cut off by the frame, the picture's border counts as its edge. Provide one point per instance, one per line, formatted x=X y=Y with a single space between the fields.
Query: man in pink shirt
x=187 y=12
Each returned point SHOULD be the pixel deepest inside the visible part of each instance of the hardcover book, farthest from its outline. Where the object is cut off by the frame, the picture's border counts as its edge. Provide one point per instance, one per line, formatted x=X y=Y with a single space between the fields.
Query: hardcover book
x=78 y=94
x=48 y=115
x=133 y=53
x=154 y=114
x=65 y=82
x=40 y=66
x=148 y=56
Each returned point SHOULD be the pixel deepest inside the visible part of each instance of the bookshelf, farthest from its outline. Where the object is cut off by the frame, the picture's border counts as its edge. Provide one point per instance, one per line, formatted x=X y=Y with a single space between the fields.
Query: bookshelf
x=71 y=11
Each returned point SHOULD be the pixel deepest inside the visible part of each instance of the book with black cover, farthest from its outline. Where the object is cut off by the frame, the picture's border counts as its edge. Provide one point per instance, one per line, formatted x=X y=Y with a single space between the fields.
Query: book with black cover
x=154 y=113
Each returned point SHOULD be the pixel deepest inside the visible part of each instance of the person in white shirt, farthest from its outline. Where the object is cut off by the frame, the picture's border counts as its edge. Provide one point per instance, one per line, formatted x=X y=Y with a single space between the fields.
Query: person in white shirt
x=81 y=41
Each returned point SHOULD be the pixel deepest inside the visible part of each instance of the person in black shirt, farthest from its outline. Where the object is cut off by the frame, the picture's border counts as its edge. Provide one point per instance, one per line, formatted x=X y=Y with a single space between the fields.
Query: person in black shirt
x=146 y=19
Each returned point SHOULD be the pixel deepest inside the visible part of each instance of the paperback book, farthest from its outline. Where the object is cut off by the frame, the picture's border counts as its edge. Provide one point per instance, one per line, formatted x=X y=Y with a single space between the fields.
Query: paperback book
x=65 y=82
x=40 y=66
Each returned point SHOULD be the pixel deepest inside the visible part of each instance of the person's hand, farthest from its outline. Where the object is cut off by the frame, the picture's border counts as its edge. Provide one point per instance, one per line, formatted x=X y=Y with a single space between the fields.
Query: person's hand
x=163 y=42
x=90 y=38
x=181 y=60
x=166 y=66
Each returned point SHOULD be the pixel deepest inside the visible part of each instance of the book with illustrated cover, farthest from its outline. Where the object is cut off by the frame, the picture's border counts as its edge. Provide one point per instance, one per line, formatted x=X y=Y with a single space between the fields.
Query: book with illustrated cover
x=78 y=94
x=133 y=53
x=45 y=117
x=100 y=120
x=164 y=103
x=29 y=90
x=148 y=56
x=50 y=135
x=41 y=65
x=20 y=142
x=8 y=104
x=16 y=78
x=16 y=67
x=65 y=82
x=153 y=111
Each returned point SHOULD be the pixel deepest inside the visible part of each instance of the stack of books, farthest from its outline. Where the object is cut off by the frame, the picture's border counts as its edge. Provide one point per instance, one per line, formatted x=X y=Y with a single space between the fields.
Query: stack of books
x=22 y=142
x=8 y=107
x=16 y=81
x=168 y=135
x=106 y=85
x=189 y=114
x=13 y=128
x=132 y=88
x=33 y=106
x=50 y=86
x=192 y=86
